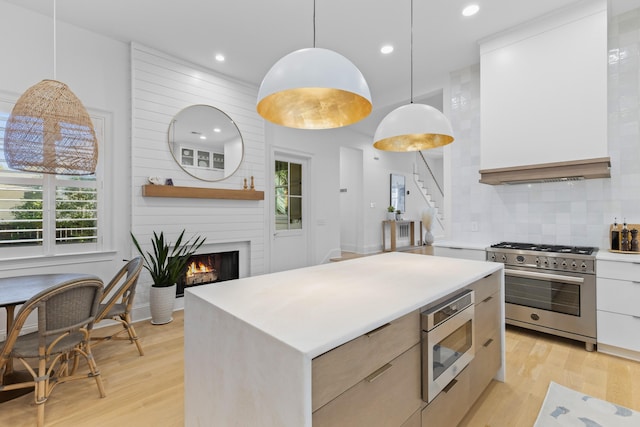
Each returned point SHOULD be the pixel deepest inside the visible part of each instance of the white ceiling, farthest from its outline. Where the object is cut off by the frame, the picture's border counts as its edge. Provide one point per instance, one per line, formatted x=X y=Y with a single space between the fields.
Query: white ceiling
x=254 y=34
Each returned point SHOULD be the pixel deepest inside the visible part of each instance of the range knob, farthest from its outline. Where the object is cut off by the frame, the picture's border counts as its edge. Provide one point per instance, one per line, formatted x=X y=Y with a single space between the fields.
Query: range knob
x=583 y=266
x=546 y=263
x=574 y=265
x=564 y=264
x=554 y=262
x=537 y=261
x=504 y=258
x=492 y=257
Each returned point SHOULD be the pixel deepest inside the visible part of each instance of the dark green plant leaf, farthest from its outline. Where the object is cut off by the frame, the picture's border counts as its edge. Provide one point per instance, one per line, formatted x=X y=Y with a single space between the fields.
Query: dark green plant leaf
x=167 y=261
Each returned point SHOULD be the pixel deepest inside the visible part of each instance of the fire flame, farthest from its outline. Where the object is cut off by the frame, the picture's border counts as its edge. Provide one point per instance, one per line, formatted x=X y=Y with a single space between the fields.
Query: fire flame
x=198 y=269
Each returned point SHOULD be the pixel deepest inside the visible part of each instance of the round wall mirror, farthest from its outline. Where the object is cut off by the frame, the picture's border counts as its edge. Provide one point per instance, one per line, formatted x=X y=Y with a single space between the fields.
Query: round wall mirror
x=206 y=143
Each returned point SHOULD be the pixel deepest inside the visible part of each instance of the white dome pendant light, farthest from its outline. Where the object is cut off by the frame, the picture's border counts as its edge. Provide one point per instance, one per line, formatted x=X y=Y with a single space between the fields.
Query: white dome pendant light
x=413 y=127
x=314 y=88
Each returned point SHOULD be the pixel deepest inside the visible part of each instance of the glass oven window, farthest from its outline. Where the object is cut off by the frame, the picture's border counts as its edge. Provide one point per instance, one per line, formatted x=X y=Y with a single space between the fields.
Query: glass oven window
x=451 y=348
x=543 y=294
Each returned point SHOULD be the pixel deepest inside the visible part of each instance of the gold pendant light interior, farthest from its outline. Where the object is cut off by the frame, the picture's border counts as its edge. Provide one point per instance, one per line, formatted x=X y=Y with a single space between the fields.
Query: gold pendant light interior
x=314 y=108
x=413 y=142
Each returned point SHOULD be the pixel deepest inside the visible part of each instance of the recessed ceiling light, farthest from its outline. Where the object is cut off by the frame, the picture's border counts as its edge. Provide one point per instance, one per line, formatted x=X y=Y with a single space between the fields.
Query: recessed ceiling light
x=220 y=57
x=216 y=129
x=470 y=10
x=386 y=49
x=203 y=137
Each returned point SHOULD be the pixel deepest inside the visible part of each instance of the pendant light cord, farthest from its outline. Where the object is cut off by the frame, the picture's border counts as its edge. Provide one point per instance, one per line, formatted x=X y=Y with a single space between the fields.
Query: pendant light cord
x=54 y=40
x=411 y=51
x=314 y=23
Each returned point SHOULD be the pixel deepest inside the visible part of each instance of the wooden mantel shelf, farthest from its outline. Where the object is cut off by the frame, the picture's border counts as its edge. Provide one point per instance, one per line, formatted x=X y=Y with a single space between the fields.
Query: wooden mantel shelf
x=150 y=190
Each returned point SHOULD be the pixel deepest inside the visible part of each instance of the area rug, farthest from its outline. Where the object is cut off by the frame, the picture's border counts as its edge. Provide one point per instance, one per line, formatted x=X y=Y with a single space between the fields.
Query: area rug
x=565 y=407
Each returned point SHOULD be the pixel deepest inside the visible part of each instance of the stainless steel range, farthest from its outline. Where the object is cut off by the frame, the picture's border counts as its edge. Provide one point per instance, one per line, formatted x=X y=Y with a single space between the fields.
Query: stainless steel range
x=550 y=288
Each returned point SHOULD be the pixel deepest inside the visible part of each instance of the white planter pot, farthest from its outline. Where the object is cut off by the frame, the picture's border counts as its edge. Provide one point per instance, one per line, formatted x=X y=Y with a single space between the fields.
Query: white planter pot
x=161 y=303
x=391 y=216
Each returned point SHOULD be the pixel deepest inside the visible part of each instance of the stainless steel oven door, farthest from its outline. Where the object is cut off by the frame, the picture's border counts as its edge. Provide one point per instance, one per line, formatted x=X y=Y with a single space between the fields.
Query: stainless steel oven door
x=446 y=350
x=551 y=302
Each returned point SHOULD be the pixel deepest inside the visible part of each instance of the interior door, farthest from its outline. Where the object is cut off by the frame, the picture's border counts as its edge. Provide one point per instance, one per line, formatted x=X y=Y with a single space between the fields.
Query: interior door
x=289 y=213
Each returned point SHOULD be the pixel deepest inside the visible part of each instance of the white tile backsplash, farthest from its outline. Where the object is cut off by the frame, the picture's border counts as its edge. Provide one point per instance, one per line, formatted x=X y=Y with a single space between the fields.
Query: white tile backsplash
x=573 y=213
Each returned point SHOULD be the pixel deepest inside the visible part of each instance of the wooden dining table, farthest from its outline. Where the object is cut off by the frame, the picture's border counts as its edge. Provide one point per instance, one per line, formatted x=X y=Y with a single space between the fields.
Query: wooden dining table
x=17 y=290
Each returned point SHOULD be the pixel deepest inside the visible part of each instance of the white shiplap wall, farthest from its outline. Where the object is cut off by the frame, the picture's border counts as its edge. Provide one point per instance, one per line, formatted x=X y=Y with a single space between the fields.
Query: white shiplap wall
x=161 y=87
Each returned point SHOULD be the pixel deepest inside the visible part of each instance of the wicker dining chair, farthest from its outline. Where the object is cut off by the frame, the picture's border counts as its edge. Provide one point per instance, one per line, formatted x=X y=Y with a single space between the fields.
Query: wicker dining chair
x=66 y=314
x=117 y=302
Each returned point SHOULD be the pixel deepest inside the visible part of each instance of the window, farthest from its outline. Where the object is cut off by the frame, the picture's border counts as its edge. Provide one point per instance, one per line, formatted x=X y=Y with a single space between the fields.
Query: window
x=43 y=214
x=288 y=192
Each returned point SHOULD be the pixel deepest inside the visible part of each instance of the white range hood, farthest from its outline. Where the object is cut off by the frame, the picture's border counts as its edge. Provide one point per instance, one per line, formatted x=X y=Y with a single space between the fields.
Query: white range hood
x=544 y=98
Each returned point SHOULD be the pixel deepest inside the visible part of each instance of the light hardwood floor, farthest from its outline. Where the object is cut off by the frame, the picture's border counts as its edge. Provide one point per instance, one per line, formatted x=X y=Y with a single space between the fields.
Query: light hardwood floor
x=148 y=390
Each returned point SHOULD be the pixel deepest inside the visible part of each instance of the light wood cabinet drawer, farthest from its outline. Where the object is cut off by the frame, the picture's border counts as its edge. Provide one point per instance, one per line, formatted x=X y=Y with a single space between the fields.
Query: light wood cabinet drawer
x=341 y=368
x=487 y=318
x=618 y=296
x=387 y=397
x=618 y=270
x=450 y=406
x=486 y=286
x=414 y=420
x=484 y=365
x=619 y=330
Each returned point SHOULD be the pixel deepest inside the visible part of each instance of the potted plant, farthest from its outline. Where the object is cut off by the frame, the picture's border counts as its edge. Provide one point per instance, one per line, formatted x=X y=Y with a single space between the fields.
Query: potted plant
x=391 y=213
x=166 y=264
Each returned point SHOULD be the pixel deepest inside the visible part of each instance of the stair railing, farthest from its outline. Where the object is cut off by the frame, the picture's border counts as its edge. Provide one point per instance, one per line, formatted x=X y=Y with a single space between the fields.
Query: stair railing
x=437 y=197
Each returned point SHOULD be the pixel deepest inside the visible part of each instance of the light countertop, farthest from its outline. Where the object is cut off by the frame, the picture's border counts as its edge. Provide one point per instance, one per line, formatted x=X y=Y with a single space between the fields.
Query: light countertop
x=606 y=255
x=461 y=244
x=317 y=308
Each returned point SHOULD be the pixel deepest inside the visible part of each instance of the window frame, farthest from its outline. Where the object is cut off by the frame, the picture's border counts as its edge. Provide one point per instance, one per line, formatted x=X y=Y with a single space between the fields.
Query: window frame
x=49 y=248
x=289 y=230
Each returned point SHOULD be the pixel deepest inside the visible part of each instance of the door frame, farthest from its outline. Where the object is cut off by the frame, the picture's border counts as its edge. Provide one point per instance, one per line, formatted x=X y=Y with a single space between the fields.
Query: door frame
x=308 y=214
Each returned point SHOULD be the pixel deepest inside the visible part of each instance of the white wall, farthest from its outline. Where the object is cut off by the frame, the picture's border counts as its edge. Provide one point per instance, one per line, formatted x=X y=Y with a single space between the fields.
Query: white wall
x=97 y=71
x=351 y=205
x=376 y=169
x=324 y=147
x=162 y=86
x=574 y=213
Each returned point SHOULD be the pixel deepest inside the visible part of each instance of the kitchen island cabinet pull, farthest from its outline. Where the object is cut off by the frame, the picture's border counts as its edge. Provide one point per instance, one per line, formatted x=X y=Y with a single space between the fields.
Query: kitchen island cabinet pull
x=376 y=330
x=488 y=342
x=450 y=385
x=374 y=376
x=487 y=299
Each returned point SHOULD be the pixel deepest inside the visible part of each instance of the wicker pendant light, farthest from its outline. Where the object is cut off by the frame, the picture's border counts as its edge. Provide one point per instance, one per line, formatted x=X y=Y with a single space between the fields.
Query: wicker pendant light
x=413 y=127
x=49 y=131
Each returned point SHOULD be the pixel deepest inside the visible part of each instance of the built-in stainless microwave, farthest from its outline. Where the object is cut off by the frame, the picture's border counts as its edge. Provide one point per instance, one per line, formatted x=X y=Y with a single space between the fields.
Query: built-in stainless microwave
x=447 y=342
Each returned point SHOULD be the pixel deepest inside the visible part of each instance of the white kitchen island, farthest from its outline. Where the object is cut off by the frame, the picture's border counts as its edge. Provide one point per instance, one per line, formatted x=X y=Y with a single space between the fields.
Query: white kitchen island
x=249 y=343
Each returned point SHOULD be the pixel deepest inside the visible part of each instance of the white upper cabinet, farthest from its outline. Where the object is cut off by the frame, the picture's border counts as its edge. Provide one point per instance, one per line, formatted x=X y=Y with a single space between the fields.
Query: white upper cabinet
x=544 y=90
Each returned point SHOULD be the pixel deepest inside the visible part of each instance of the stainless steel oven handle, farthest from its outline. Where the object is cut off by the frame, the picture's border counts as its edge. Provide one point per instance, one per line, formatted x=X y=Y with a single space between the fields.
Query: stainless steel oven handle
x=547 y=276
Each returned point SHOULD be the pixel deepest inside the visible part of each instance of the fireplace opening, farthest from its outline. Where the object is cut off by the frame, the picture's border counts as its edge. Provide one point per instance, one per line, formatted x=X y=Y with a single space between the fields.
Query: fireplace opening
x=202 y=269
